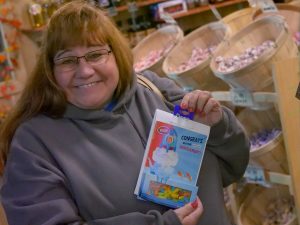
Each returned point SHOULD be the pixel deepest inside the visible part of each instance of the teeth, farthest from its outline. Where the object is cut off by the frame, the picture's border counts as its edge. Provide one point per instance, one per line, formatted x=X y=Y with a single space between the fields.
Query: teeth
x=87 y=85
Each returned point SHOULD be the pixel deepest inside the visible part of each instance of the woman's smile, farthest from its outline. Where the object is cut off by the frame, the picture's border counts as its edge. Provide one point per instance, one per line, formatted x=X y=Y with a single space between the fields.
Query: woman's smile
x=87 y=85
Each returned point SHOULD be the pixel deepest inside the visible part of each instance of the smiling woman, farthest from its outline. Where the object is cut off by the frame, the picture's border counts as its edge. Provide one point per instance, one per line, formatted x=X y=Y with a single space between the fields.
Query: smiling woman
x=80 y=127
x=82 y=77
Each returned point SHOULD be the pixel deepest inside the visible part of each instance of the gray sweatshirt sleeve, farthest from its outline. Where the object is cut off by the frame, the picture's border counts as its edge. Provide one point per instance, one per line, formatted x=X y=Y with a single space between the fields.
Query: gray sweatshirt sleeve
x=35 y=192
x=227 y=140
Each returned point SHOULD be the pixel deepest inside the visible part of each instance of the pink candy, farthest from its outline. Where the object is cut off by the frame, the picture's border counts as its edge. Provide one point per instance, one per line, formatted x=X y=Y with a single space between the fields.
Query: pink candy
x=150 y=59
x=247 y=57
x=279 y=212
x=198 y=56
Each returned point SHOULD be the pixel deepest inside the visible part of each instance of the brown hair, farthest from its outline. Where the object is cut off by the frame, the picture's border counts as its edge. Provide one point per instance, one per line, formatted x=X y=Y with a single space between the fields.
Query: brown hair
x=75 y=23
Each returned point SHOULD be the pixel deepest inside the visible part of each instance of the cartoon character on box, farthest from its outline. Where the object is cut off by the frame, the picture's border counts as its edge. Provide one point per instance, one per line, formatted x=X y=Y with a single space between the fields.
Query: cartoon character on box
x=164 y=157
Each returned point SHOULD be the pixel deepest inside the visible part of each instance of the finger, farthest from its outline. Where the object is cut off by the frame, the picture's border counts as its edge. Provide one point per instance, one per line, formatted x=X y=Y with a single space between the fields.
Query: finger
x=212 y=105
x=184 y=210
x=193 y=218
x=185 y=101
x=189 y=100
x=193 y=100
x=188 y=216
x=203 y=97
x=189 y=208
x=197 y=205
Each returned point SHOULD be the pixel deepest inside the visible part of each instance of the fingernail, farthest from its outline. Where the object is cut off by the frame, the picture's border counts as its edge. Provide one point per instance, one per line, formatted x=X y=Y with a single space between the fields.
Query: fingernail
x=183 y=105
x=201 y=113
x=191 y=109
x=194 y=204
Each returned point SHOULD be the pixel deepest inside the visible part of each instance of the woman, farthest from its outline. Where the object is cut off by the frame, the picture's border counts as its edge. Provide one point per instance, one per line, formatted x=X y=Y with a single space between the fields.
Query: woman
x=73 y=146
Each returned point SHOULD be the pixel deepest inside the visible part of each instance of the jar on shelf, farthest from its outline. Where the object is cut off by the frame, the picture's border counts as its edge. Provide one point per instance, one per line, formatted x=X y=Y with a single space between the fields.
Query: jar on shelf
x=35 y=14
x=202 y=2
x=190 y=4
x=197 y=3
x=47 y=8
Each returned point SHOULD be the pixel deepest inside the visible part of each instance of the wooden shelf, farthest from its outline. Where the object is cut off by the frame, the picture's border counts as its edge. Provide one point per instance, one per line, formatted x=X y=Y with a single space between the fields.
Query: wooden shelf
x=119 y=9
x=146 y=3
x=140 y=4
x=289 y=109
x=189 y=12
x=206 y=8
x=30 y=30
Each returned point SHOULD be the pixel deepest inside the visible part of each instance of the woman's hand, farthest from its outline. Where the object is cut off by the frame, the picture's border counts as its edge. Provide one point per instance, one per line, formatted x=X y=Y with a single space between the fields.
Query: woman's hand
x=207 y=109
x=190 y=213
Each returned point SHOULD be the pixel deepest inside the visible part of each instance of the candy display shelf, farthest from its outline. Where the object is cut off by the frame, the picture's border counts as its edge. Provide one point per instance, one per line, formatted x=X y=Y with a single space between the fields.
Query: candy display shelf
x=237 y=197
x=193 y=11
x=28 y=29
x=140 y=4
x=201 y=9
x=289 y=110
x=196 y=10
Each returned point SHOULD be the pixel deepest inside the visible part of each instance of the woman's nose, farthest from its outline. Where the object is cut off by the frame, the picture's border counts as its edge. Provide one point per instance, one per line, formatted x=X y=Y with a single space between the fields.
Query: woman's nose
x=84 y=69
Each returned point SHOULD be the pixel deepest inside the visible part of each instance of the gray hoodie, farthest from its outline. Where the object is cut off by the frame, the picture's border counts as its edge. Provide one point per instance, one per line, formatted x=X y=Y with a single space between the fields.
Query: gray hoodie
x=83 y=168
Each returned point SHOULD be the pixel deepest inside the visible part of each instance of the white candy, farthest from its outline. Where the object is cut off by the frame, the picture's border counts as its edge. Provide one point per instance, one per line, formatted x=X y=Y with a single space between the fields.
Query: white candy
x=152 y=57
x=198 y=56
x=279 y=212
x=247 y=57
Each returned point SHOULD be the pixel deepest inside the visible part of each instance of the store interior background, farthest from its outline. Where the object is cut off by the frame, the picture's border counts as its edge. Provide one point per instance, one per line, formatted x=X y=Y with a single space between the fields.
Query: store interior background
x=247 y=203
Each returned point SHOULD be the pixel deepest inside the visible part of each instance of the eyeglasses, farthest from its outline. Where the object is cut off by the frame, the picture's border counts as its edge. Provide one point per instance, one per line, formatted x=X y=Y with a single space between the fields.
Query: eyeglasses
x=93 y=58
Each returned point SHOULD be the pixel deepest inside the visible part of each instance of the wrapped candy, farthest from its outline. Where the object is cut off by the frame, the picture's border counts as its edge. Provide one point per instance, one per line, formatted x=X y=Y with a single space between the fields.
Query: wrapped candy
x=152 y=57
x=148 y=60
x=236 y=62
x=263 y=137
x=198 y=56
x=279 y=212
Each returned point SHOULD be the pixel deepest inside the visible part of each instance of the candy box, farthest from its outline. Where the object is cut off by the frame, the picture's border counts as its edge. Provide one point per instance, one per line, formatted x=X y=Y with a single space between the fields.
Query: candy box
x=172 y=160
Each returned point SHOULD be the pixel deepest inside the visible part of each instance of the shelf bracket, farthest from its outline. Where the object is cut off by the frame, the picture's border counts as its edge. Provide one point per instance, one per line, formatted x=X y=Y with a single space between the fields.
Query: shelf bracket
x=255 y=100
